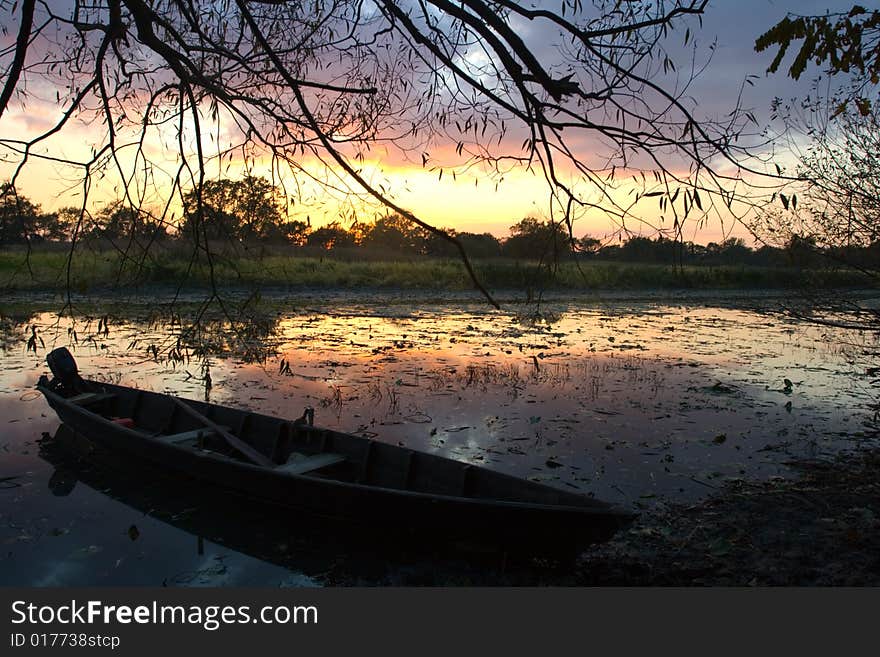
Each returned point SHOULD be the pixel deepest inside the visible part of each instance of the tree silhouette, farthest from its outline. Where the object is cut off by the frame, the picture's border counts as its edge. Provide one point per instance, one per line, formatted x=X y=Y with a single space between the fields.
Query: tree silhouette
x=836 y=205
x=19 y=217
x=246 y=209
x=844 y=42
x=331 y=236
x=174 y=90
x=394 y=233
x=537 y=240
x=484 y=245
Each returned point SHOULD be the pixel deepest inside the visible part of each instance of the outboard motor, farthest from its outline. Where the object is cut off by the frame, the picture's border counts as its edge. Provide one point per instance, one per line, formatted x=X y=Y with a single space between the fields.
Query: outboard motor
x=64 y=370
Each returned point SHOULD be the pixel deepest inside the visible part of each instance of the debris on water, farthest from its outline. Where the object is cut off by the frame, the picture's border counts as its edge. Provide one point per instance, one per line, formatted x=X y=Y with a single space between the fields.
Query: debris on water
x=719 y=388
x=550 y=463
x=133 y=532
x=184 y=513
x=87 y=551
x=720 y=438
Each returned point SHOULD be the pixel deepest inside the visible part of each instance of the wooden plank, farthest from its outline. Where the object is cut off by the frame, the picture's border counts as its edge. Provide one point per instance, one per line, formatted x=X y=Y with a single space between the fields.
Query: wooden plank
x=234 y=442
x=86 y=398
x=310 y=463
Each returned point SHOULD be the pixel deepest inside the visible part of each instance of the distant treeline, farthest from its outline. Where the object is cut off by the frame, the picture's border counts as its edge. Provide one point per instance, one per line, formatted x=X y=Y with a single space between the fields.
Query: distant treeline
x=250 y=212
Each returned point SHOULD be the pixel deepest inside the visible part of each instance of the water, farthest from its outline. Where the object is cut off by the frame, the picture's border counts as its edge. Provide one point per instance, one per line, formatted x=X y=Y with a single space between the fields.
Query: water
x=636 y=402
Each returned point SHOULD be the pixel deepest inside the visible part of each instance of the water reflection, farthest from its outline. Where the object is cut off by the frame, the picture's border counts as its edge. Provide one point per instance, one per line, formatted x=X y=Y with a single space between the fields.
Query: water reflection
x=637 y=403
x=628 y=401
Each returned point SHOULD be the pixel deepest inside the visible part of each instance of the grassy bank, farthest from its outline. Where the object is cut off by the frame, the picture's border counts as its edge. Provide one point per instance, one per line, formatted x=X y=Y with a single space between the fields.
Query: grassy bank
x=48 y=270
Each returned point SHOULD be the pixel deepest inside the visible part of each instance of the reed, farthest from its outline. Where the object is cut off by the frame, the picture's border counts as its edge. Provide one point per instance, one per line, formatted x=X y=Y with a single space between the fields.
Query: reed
x=95 y=269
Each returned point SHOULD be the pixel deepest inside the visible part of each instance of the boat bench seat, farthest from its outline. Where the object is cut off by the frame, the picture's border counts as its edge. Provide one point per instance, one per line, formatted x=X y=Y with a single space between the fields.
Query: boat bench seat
x=86 y=398
x=187 y=436
x=301 y=464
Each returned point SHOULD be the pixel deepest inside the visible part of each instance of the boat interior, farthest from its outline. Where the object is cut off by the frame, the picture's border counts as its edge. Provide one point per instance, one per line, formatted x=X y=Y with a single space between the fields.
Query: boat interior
x=295 y=447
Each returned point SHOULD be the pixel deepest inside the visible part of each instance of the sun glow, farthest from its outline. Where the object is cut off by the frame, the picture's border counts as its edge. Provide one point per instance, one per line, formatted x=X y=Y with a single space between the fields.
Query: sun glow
x=465 y=199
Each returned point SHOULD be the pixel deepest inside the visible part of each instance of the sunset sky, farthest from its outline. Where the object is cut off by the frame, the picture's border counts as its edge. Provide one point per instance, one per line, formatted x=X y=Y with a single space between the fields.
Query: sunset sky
x=472 y=202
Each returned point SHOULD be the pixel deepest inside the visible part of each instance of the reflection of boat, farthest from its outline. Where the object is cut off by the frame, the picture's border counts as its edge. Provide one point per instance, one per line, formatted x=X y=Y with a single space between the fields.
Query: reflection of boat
x=182 y=504
x=294 y=464
x=318 y=547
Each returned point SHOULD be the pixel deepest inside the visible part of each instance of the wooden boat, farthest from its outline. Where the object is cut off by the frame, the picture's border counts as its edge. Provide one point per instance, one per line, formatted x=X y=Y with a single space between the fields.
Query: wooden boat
x=294 y=464
x=322 y=548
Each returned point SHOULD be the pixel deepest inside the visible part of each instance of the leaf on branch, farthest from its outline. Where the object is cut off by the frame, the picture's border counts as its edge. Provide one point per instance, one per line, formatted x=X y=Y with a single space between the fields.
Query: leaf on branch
x=687 y=126
x=864 y=106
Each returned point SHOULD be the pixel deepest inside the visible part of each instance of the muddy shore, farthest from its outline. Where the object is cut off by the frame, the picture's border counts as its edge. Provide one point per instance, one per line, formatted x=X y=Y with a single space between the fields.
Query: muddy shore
x=822 y=528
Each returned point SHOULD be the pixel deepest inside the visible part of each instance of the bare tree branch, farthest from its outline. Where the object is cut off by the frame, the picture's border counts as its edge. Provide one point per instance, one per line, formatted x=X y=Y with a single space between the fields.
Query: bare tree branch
x=21 y=47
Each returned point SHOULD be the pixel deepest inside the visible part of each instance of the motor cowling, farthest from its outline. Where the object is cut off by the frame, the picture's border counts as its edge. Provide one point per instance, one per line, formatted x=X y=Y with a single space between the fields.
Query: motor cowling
x=64 y=370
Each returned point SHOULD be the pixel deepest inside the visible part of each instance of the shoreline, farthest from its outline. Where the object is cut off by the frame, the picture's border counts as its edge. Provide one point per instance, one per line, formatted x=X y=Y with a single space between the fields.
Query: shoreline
x=164 y=295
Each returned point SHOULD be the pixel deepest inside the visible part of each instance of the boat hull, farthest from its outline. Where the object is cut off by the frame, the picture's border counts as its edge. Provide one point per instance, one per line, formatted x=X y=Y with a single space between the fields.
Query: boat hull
x=516 y=522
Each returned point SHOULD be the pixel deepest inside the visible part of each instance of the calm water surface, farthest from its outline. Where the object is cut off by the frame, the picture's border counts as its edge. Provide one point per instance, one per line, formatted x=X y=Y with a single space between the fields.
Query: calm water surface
x=638 y=403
